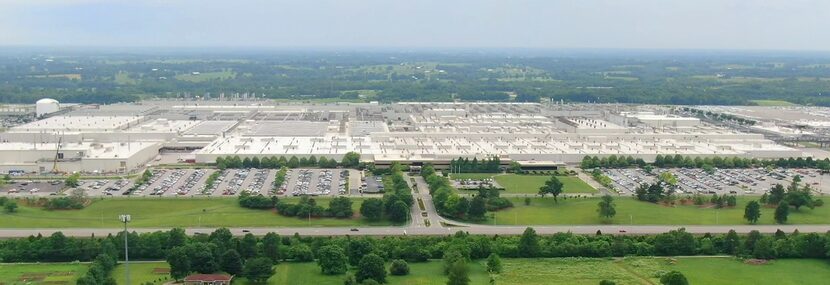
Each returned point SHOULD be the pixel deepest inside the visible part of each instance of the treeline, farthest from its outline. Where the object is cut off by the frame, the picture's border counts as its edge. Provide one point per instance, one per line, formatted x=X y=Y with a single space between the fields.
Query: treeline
x=614 y=161
x=449 y=203
x=397 y=200
x=465 y=165
x=350 y=160
x=204 y=253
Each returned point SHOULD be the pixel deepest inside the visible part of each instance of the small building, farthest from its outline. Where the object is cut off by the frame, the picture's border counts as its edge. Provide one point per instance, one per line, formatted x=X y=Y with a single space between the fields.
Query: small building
x=208 y=279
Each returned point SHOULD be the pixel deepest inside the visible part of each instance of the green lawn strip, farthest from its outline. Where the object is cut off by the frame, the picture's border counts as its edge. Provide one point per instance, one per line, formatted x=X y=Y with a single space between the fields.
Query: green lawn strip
x=514 y=183
x=170 y=212
x=40 y=273
x=427 y=273
x=645 y=270
x=143 y=273
x=728 y=270
x=576 y=211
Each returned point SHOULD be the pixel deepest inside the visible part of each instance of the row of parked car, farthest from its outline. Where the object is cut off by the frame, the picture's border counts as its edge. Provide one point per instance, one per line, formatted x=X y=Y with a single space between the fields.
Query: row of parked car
x=191 y=181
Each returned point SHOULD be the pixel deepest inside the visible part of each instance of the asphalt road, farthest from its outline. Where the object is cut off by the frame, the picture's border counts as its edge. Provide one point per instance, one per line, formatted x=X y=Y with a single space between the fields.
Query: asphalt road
x=438 y=230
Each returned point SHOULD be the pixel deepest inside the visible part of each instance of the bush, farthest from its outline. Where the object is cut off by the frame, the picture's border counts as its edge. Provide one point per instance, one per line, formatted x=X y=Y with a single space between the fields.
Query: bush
x=256 y=202
x=399 y=267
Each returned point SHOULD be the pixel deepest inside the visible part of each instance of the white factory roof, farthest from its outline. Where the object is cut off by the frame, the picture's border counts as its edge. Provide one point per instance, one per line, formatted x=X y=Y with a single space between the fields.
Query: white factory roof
x=78 y=124
x=90 y=150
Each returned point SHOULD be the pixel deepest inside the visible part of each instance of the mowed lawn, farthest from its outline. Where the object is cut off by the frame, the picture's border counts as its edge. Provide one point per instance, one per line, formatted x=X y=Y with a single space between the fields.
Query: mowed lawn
x=530 y=184
x=143 y=272
x=170 y=212
x=428 y=273
x=576 y=211
x=44 y=273
x=645 y=270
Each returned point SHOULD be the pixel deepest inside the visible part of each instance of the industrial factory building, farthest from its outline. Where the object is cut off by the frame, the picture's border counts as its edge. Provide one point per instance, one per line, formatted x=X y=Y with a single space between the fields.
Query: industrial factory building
x=124 y=137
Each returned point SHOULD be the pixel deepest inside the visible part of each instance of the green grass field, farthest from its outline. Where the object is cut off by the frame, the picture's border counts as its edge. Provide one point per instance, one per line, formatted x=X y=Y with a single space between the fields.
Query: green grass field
x=644 y=270
x=577 y=211
x=143 y=273
x=428 y=273
x=207 y=76
x=46 y=273
x=168 y=212
x=530 y=184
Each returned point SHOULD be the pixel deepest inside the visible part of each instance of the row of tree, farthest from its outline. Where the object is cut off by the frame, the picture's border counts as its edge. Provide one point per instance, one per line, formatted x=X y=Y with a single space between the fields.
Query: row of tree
x=350 y=160
x=223 y=251
x=465 y=165
x=340 y=207
x=614 y=161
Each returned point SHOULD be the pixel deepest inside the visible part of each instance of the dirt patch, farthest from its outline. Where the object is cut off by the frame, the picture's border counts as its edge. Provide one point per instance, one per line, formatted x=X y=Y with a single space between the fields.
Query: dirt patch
x=756 y=261
x=161 y=270
x=30 y=277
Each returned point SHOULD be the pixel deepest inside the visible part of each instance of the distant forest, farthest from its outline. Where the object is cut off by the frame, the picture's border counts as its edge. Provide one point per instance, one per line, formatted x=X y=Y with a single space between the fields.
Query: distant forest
x=327 y=76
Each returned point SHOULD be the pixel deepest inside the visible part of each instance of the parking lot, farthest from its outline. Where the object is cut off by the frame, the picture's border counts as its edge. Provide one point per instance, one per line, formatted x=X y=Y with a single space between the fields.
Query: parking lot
x=233 y=182
x=754 y=181
x=316 y=182
x=32 y=188
x=106 y=187
x=193 y=182
x=174 y=182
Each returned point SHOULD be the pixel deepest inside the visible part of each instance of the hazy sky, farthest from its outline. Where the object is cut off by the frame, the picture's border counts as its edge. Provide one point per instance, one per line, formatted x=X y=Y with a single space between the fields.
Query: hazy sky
x=673 y=24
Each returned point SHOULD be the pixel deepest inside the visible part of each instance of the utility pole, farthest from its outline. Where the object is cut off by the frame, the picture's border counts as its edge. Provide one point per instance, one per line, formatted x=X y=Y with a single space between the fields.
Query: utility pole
x=126 y=219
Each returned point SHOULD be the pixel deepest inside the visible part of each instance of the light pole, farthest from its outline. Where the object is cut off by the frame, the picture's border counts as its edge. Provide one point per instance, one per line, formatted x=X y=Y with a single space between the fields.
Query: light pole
x=126 y=219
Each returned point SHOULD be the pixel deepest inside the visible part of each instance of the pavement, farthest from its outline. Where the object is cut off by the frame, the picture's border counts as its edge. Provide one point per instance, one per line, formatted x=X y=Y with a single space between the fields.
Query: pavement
x=438 y=230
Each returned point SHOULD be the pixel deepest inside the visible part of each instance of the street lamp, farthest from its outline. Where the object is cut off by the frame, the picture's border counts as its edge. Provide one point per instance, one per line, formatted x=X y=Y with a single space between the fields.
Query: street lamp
x=126 y=219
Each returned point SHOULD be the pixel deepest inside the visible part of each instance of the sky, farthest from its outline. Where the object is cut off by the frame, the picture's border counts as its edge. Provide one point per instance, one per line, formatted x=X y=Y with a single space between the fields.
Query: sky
x=574 y=24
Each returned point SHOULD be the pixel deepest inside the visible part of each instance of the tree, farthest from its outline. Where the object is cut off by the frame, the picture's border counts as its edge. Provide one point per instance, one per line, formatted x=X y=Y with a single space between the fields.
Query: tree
x=341 y=207
x=668 y=178
x=371 y=267
x=458 y=273
x=301 y=253
x=372 y=209
x=231 y=262
x=399 y=267
x=529 y=243
x=606 y=207
x=271 y=246
x=399 y=212
x=179 y=263
x=357 y=249
x=776 y=194
x=73 y=180
x=350 y=160
x=332 y=260
x=10 y=207
x=478 y=207
x=607 y=282
x=781 y=212
x=752 y=212
x=673 y=278
x=553 y=186
x=494 y=263
x=258 y=269
x=248 y=246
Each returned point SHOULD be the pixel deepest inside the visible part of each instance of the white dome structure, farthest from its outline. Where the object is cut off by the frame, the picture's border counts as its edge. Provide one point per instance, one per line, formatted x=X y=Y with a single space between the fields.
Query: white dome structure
x=46 y=106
